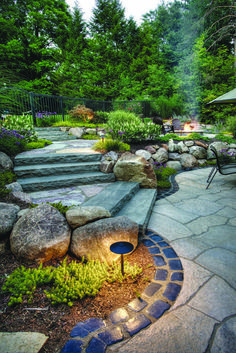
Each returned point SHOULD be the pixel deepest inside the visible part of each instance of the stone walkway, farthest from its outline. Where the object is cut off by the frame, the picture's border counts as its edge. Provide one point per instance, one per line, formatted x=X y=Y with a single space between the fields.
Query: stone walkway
x=200 y=225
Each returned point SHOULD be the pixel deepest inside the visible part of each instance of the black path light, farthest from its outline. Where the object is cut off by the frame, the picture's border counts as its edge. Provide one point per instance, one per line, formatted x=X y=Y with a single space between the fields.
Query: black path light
x=121 y=248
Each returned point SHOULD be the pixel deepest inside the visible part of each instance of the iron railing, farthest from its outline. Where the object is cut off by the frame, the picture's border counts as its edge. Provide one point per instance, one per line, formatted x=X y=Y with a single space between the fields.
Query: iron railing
x=17 y=101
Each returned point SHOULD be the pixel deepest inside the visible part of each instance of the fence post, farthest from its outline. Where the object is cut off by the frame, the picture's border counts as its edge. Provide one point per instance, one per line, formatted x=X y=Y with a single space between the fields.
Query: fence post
x=62 y=110
x=32 y=107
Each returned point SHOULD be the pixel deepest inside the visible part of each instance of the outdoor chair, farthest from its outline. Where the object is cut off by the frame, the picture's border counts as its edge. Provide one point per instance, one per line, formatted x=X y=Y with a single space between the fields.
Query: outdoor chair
x=224 y=166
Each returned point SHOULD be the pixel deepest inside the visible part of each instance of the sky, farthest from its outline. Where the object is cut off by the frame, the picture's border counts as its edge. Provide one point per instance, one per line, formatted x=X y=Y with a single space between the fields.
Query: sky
x=134 y=8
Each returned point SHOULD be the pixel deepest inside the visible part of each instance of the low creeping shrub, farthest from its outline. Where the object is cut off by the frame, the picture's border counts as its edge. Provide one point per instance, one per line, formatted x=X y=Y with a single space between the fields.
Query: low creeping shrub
x=41 y=143
x=111 y=145
x=68 y=282
x=6 y=177
x=11 y=142
x=162 y=174
x=45 y=119
x=58 y=205
x=225 y=138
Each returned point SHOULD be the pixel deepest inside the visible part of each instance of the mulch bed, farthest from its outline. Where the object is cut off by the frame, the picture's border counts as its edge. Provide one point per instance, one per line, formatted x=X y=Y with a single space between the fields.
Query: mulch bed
x=56 y=322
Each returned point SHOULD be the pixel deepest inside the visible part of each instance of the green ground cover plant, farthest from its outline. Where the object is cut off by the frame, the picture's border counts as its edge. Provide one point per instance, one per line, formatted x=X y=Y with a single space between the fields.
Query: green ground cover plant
x=41 y=143
x=66 y=283
x=45 y=119
x=69 y=123
x=162 y=174
x=111 y=145
x=6 y=177
x=22 y=124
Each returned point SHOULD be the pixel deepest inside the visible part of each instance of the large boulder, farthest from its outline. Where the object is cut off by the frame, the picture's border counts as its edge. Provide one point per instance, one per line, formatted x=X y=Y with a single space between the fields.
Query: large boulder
x=143 y=153
x=161 y=156
x=188 y=161
x=79 y=216
x=182 y=148
x=174 y=164
x=198 y=152
x=94 y=239
x=150 y=149
x=5 y=162
x=218 y=146
x=40 y=235
x=135 y=168
x=17 y=192
x=76 y=131
x=8 y=217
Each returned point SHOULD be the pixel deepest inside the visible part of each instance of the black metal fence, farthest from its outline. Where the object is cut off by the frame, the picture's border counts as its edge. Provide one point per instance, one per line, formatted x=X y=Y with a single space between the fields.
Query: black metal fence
x=16 y=101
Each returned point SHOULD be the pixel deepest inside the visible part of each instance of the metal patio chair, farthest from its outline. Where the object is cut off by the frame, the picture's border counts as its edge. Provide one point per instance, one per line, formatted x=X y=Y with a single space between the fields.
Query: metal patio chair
x=224 y=166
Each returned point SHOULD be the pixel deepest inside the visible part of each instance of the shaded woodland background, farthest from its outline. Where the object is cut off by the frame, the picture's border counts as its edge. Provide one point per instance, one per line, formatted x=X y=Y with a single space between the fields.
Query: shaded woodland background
x=182 y=55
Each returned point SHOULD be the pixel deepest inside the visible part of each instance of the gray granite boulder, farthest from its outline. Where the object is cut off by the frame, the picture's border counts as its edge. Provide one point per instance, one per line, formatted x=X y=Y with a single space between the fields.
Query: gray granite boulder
x=5 y=162
x=143 y=153
x=14 y=187
x=218 y=146
x=17 y=192
x=135 y=168
x=40 y=235
x=161 y=156
x=188 y=161
x=173 y=147
x=182 y=148
x=174 y=156
x=79 y=216
x=76 y=131
x=8 y=217
x=174 y=164
x=94 y=239
x=198 y=152
x=108 y=161
x=189 y=143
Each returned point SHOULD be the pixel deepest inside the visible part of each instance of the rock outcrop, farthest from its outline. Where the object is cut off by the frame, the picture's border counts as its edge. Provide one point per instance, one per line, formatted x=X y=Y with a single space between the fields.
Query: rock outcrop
x=79 y=216
x=40 y=235
x=6 y=163
x=94 y=240
x=135 y=168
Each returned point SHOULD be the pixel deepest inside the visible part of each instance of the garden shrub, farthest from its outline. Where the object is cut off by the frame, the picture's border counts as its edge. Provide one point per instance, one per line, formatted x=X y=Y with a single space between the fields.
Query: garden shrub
x=128 y=127
x=162 y=174
x=231 y=125
x=68 y=282
x=225 y=138
x=111 y=145
x=100 y=117
x=6 y=177
x=11 y=142
x=22 y=125
x=81 y=113
x=76 y=124
x=45 y=119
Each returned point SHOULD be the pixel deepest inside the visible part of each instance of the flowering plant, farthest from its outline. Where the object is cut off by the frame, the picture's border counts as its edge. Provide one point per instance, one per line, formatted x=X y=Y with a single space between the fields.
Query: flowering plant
x=11 y=142
x=227 y=156
x=22 y=125
x=44 y=119
x=135 y=108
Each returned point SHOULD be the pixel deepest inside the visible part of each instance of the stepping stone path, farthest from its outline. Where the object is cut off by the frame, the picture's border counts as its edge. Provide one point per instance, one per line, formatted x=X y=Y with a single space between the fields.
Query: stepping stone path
x=95 y=335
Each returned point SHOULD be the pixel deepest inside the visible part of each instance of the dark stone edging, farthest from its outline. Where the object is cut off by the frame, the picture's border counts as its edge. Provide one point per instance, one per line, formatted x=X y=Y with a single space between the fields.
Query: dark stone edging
x=94 y=335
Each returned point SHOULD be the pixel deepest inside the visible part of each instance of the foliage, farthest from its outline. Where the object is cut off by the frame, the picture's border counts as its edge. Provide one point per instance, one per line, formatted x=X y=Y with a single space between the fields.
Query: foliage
x=11 y=142
x=196 y=136
x=225 y=138
x=76 y=124
x=129 y=127
x=231 y=124
x=111 y=145
x=172 y=136
x=58 y=205
x=100 y=117
x=169 y=106
x=22 y=124
x=41 y=143
x=162 y=174
x=90 y=137
x=6 y=177
x=68 y=282
x=81 y=113
x=45 y=119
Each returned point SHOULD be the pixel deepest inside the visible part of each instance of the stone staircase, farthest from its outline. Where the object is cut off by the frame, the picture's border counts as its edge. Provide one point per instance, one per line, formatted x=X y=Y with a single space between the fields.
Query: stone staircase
x=39 y=172
x=53 y=134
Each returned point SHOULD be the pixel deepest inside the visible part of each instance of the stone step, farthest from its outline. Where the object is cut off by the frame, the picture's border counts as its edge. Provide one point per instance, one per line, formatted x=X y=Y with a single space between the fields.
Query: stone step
x=29 y=171
x=61 y=181
x=115 y=196
x=52 y=128
x=139 y=208
x=54 y=138
x=51 y=158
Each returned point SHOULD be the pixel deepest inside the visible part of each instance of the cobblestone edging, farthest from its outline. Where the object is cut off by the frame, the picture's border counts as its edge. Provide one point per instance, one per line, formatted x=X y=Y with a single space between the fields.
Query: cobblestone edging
x=95 y=335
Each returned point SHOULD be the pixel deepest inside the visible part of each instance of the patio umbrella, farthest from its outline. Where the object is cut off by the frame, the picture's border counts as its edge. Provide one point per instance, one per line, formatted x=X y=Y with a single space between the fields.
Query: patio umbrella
x=229 y=97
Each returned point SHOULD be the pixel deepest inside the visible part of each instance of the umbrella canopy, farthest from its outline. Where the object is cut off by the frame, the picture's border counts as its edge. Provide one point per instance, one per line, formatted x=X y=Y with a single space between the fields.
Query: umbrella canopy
x=229 y=97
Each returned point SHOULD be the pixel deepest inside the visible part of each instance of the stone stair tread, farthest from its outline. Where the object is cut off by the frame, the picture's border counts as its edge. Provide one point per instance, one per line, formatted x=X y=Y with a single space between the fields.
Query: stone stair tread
x=47 y=158
x=64 y=180
x=48 y=169
x=139 y=208
x=114 y=196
